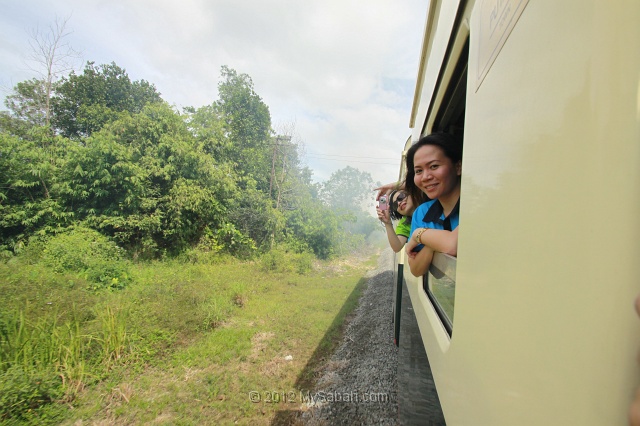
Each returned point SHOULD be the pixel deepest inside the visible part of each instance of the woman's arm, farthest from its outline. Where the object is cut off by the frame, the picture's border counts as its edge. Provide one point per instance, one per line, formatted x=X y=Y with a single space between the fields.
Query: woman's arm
x=433 y=240
x=436 y=239
x=395 y=241
x=419 y=261
x=387 y=188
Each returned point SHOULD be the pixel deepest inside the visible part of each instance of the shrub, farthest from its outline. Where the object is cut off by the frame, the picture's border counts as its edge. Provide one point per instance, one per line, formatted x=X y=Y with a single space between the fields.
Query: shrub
x=282 y=260
x=234 y=241
x=86 y=251
x=22 y=390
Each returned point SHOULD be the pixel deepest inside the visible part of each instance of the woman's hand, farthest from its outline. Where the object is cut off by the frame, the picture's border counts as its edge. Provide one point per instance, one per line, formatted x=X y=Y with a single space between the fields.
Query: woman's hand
x=412 y=243
x=419 y=261
x=386 y=189
x=383 y=216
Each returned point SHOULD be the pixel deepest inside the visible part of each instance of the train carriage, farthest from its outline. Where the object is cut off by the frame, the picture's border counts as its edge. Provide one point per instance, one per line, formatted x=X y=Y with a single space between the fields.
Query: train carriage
x=533 y=322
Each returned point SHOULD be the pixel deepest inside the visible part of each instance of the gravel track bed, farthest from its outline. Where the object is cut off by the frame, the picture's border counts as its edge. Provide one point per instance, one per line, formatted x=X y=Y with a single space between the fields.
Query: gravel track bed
x=358 y=385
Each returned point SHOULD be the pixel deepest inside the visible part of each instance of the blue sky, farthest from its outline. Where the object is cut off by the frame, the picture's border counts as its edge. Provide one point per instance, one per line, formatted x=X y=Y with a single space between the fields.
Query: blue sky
x=340 y=72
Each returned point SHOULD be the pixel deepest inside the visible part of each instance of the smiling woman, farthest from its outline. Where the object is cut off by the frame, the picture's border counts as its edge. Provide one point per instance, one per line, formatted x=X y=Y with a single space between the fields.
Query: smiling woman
x=401 y=208
x=434 y=167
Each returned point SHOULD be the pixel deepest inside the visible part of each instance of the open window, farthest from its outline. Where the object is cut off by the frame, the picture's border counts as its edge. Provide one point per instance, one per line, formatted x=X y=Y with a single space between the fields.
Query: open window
x=440 y=281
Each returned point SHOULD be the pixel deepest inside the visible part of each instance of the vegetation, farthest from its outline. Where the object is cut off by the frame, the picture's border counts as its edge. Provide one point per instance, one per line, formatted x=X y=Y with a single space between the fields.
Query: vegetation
x=183 y=341
x=118 y=159
x=131 y=235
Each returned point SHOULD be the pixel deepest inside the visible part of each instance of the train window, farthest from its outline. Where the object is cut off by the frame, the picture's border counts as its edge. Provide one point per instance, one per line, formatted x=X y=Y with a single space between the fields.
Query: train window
x=440 y=281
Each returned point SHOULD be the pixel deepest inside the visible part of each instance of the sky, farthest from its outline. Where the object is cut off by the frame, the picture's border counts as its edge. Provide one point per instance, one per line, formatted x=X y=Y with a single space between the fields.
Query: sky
x=341 y=73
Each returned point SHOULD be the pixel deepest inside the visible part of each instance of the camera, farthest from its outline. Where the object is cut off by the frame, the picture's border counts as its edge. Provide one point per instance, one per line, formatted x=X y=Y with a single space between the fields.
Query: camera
x=383 y=204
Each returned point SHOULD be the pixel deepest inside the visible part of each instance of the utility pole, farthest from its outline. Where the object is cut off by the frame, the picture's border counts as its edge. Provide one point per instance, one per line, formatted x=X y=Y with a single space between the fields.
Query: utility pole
x=273 y=166
x=280 y=141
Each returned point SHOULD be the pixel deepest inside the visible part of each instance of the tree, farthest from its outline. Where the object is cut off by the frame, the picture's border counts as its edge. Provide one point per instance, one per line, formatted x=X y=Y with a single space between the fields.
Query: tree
x=26 y=108
x=314 y=226
x=247 y=126
x=143 y=180
x=52 y=57
x=205 y=123
x=29 y=187
x=84 y=103
x=348 y=189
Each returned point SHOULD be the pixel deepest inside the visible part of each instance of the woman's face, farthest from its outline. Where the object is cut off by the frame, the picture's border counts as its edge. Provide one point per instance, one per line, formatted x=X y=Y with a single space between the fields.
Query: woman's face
x=435 y=173
x=404 y=203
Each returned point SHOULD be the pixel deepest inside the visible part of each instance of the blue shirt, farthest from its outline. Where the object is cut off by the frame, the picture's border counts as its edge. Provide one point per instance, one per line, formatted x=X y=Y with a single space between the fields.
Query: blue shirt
x=431 y=215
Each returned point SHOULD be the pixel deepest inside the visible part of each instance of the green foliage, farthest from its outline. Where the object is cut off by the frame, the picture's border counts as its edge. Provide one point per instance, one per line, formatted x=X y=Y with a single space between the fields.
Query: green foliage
x=252 y=212
x=90 y=253
x=119 y=160
x=29 y=185
x=144 y=181
x=234 y=241
x=247 y=124
x=57 y=338
x=317 y=226
x=84 y=103
x=23 y=390
x=40 y=363
x=348 y=189
x=114 y=338
x=27 y=106
x=282 y=260
x=43 y=362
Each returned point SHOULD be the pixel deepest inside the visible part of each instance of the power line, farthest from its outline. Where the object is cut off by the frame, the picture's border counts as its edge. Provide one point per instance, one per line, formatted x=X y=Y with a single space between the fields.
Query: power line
x=353 y=161
x=351 y=156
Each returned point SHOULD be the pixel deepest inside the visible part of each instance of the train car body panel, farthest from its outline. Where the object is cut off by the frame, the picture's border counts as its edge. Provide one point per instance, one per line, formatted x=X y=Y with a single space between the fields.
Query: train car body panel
x=440 y=22
x=547 y=268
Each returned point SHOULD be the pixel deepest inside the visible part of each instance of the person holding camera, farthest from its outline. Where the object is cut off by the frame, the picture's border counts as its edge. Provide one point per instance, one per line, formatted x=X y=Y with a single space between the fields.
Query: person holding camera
x=399 y=206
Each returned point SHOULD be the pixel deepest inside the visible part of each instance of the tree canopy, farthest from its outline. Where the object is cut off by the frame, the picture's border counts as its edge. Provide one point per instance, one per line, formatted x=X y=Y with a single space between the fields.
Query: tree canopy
x=117 y=158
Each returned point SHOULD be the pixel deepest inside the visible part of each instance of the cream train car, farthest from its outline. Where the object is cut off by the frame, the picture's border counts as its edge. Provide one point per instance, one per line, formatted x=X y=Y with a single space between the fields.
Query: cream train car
x=535 y=323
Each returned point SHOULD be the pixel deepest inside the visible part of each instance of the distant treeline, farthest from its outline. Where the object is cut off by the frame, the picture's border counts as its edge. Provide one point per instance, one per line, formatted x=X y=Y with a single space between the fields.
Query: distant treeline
x=97 y=150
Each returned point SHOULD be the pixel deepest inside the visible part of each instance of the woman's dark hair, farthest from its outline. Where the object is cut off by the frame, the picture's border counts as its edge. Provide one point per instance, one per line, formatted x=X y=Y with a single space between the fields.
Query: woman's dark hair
x=450 y=144
x=393 y=207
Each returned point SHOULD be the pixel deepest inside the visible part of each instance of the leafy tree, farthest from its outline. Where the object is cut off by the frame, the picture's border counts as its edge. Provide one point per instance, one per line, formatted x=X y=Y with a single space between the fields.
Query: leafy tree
x=123 y=162
x=50 y=57
x=26 y=108
x=143 y=180
x=348 y=189
x=314 y=226
x=207 y=127
x=246 y=123
x=29 y=187
x=84 y=103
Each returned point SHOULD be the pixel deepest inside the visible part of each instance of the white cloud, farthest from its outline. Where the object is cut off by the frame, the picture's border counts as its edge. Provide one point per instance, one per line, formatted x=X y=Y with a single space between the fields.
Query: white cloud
x=342 y=70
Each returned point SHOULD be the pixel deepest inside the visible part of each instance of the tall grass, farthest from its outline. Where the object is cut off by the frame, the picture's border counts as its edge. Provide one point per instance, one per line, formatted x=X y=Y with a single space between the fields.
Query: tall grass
x=35 y=365
x=42 y=361
x=51 y=348
x=62 y=339
x=114 y=338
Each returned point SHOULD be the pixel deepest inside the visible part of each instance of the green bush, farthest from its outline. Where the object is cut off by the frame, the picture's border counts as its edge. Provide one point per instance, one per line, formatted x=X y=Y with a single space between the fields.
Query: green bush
x=234 y=241
x=282 y=260
x=303 y=262
x=90 y=253
x=24 y=390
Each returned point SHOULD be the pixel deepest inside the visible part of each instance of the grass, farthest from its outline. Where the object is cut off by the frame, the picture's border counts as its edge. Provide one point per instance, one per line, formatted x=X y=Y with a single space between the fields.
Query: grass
x=183 y=343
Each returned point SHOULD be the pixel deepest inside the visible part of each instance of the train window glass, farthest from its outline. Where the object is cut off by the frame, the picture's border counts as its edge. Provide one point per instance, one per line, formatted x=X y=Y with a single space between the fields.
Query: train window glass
x=440 y=281
x=440 y=285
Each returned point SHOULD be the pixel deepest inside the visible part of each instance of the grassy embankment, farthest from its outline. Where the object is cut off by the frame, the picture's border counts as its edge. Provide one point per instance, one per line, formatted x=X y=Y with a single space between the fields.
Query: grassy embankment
x=180 y=344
